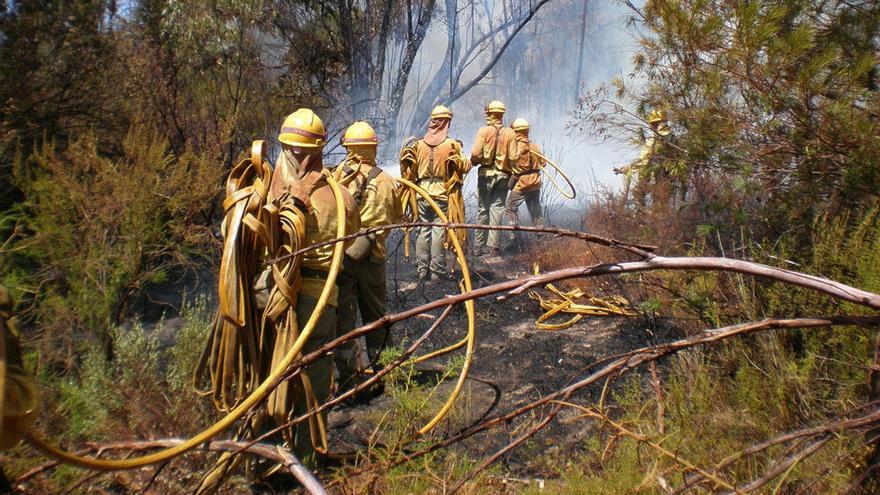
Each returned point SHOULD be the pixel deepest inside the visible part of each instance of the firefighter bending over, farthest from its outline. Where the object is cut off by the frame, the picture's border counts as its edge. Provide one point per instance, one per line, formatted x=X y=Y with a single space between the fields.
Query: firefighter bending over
x=437 y=165
x=495 y=150
x=362 y=281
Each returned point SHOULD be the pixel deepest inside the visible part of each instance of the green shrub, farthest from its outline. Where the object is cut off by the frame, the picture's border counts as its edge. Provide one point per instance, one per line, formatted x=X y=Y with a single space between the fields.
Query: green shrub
x=93 y=231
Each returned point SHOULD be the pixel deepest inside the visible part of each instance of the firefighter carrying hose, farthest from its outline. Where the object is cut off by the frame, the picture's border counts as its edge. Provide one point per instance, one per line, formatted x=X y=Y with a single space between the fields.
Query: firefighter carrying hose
x=362 y=281
x=495 y=150
x=525 y=182
x=300 y=164
x=436 y=164
x=271 y=214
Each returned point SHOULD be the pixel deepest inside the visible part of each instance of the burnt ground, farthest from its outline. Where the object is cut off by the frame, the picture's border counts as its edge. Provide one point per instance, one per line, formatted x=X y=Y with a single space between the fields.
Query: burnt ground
x=514 y=363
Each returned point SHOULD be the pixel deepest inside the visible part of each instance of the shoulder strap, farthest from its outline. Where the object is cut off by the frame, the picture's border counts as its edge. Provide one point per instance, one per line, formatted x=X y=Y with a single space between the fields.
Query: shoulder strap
x=362 y=188
x=495 y=147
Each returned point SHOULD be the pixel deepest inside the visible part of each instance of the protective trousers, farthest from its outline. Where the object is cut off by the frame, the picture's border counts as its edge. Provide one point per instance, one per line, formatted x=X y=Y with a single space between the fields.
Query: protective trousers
x=430 y=255
x=492 y=194
x=320 y=372
x=361 y=285
x=532 y=199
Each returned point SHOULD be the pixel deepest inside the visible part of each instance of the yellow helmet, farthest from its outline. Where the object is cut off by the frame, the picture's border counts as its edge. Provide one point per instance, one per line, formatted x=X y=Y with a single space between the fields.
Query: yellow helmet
x=441 y=112
x=360 y=133
x=656 y=115
x=520 y=125
x=304 y=129
x=495 y=106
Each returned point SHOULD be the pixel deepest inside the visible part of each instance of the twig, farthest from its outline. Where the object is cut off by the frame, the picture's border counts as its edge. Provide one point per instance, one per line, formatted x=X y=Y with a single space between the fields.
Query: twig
x=641 y=250
x=590 y=413
x=655 y=381
x=507 y=448
x=786 y=464
x=270 y=452
x=865 y=421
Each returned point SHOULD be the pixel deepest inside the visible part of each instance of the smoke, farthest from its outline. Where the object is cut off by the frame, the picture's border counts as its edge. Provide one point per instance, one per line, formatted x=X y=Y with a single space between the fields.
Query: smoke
x=537 y=79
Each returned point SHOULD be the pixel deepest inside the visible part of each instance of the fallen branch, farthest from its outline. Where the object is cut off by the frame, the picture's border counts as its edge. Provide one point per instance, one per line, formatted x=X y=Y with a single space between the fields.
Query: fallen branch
x=617 y=365
x=641 y=250
x=271 y=452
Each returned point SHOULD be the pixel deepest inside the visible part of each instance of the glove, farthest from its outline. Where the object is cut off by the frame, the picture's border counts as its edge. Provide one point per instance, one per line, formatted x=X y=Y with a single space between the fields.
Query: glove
x=360 y=248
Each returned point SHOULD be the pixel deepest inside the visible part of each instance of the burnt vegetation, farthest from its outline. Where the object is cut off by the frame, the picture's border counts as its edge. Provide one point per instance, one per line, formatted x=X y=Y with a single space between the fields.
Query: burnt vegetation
x=748 y=247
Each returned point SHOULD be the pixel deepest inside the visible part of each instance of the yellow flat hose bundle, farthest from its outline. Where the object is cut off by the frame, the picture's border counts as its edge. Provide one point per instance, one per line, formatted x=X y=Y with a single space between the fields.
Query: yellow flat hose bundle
x=564 y=303
x=567 y=195
x=245 y=404
x=456 y=208
x=408 y=205
x=232 y=357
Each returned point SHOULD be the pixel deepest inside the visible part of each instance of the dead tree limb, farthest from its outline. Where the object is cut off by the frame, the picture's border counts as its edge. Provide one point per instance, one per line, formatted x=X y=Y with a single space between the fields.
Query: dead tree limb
x=640 y=250
x=271 y=452
x=627 y=361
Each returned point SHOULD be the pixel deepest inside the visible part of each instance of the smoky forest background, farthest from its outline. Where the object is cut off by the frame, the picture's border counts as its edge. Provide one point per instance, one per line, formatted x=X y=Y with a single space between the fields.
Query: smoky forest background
x=119 y=121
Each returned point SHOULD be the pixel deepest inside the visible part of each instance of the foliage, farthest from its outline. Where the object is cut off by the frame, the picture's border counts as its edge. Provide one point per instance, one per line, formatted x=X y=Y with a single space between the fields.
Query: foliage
x=143 y=393
x=773 y=106
x=93 y=230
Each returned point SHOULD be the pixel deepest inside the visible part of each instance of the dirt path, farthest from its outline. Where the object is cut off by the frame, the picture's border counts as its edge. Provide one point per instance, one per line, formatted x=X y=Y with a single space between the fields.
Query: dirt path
x=514 y=363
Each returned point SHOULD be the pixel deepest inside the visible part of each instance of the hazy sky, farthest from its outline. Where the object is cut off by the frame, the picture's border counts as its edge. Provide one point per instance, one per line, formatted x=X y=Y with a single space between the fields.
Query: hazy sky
x=608 y=53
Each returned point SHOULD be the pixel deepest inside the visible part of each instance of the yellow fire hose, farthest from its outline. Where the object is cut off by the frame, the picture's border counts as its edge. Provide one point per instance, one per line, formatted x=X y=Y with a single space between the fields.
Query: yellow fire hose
x=469 y=307
x=245 y=405
x=560 y=172
x=564 y=303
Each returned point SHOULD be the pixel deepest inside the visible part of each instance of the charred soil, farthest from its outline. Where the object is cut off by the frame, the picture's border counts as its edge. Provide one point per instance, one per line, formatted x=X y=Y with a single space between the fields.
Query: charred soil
x=514 y=363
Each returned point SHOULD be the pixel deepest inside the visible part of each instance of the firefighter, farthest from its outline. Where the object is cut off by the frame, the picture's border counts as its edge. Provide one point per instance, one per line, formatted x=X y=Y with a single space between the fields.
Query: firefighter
x=362 y=282
x=299 y=167
x=525 y=182
x=20 y=398
x=437 y=165
x=657 y=172
x=495 y=150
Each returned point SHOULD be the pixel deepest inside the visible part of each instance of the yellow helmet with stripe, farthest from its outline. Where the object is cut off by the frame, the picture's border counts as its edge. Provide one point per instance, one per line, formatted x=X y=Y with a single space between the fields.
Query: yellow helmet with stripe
x=304 y=129
x=360 y=134
x=495 y=106
x=520 y=125
x=441 y=112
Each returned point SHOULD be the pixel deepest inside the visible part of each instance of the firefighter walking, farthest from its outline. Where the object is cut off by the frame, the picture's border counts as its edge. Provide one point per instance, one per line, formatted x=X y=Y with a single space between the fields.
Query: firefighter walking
x=495 y=150
x=525 y=182
x=362 y=281
x=436 y=164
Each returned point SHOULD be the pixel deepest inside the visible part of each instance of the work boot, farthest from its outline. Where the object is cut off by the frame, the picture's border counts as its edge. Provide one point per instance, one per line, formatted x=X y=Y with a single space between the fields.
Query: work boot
x=477 y=251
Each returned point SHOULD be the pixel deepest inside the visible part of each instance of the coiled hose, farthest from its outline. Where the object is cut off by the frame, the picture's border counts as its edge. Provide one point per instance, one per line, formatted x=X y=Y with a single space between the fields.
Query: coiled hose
x=573 y=193
x=259 y=393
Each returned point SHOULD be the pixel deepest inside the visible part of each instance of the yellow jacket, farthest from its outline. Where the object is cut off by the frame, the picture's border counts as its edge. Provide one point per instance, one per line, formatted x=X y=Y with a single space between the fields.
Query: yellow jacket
x=320 y=223
x=431 y=167
x=506 y=153
x=527 y=166
x=379 y=202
